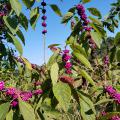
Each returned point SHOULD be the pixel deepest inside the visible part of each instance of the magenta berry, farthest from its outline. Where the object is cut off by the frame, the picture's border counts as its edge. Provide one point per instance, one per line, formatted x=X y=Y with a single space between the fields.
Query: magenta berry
x=2 y=85
x=37 y=83
x=44 y=17
x=44 y=31
x=113 y=93
x=68 y=71
x=25 y=96
x=10 y=91
x=44 y=24
x=106 y=60
x=115 y=117
x=81 y=12
x=66 y=59
x=14 y=103
x=37 y=92
x=66 y=51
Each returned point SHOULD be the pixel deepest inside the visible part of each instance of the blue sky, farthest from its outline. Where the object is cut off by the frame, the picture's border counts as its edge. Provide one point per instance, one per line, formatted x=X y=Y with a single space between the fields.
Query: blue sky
x=57 y=32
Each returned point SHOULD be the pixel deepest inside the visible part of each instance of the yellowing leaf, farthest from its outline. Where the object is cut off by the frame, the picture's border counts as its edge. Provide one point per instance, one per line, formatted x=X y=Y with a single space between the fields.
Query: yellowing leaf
x=26 y=110
x=54 y=73
x=27 y=63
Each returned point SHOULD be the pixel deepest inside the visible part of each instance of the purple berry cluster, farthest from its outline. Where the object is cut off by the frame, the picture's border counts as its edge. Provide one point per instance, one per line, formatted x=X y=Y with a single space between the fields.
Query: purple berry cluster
x=66 y=59
x=14 y=93
x=4 y=9
x=113 y=93
x=92 y=44
x=81 y=12
x=44 y=17
x=106 y=60
x=115 y=117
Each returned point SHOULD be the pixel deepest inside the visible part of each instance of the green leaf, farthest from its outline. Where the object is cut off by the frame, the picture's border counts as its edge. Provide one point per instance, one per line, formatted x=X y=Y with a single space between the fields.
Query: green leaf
x=118 y=55
x=95 y=12
x=117 y=39
x=34 y=15
x=21 y=36
x=16 y=6
x=27 y=63
x=62 y=93
x=87 y=99
x=86 y=107
x=56 y=9
x=52 y=59
x=54 y=73
x=28 y=3
x=82 y=59
x=23 y=21
x=11 y=23
x=85 y=1
x=26 y=110
x=111 y=28
x=103 y=101
x=10 y=115
x=16 y=43
x=78 y=48
x=34 y=11
x=97 y=38
x=70 y=39
x=67 y=17
x=87 y=77
x=96 y=21
x=115 y=22
x=4 y=108
x=112 y=54
x=52 y=45
x=98 y=28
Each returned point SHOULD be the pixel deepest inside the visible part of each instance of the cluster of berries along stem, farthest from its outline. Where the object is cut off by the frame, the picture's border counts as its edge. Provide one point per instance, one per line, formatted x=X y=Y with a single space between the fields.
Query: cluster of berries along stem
x=81 y=12
x=115 y=117
x=13 y=94
x=4 y=9
x=66 y=60
x=113 y=93
x=44 y=17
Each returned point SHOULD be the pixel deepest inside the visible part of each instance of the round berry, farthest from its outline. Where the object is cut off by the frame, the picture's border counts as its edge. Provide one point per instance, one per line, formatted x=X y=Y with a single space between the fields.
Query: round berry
x=43 y=11
x=43 y=3
x=44 y=17
x=44 y=31
x=44 y=24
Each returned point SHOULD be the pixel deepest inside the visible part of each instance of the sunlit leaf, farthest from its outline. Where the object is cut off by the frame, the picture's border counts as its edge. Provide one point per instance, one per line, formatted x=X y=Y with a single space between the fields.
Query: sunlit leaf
x=82 y=59
x=56 y=9
x=62 y=93
x=17 y=44
x=87 y=76
x=67 y=17
x=54 y=73
x=4 y=108
x=16 y=5
x=95 y=12
x=26 y=110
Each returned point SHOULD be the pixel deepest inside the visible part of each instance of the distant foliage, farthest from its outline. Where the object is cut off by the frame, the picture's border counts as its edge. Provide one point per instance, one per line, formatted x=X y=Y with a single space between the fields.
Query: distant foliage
x=79 y=82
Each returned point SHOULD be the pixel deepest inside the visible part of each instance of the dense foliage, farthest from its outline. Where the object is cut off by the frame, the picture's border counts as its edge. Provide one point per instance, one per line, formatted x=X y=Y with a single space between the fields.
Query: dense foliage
x=80 y=82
